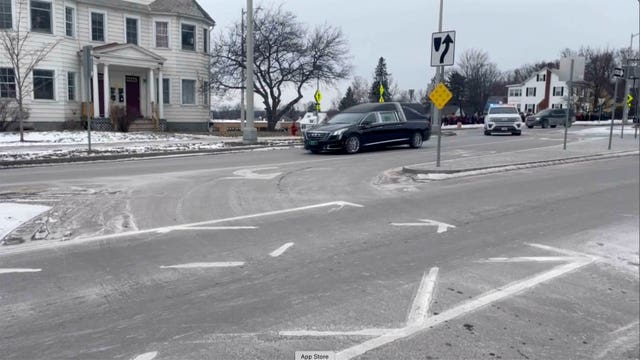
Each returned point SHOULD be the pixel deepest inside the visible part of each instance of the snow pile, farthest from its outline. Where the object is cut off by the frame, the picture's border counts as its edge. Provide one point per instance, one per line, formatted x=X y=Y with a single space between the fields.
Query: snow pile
x=13 y=215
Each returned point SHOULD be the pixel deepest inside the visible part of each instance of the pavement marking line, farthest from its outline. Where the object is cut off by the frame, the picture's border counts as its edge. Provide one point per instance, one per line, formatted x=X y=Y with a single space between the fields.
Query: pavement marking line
x=462 y=309
x=189 y=228
x=279 y=251
x=531 y=259
x=442 y=227
x=10 y=271
x=363 y=332
x=199 y=265
x=626 y=335
x=563 y=251
x=146 y=356
x=422 y=302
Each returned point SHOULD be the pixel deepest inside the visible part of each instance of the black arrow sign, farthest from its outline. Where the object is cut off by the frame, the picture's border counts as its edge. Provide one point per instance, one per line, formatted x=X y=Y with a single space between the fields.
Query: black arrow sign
x=447 y=42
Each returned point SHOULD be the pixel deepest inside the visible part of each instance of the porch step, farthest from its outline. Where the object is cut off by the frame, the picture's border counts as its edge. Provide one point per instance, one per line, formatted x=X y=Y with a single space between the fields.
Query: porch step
x=142 y=125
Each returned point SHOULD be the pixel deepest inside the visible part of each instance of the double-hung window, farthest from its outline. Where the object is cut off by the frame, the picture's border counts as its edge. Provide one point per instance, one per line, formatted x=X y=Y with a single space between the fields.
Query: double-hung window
x=166 y=91
x=531 y=91
x=97 y=26
x=43 y=84
x=41 y=17
x=71 y=86
x=132 y=30
x=188 y=92
x=7 y=83
x=558 y=90
x=6 y=14
x=162 y=34
x=70 y=21
x=188 y=37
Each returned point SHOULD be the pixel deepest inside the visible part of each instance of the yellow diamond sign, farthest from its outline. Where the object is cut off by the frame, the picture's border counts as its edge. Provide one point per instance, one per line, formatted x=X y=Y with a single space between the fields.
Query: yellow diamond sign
x=440 y=96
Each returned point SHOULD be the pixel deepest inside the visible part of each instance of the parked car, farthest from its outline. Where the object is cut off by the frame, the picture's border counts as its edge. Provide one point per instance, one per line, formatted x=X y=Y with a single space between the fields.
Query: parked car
x=548 y=118
x=502 y=119
x=367 y=126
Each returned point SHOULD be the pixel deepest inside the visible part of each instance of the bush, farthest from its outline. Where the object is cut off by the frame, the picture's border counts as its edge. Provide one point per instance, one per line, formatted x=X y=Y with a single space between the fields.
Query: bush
x=121 y=119
x=73 y=124
x=9 y=115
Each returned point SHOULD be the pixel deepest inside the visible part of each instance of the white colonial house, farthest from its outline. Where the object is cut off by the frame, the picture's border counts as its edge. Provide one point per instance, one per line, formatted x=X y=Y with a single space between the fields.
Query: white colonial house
x=150 y=57
x=542 y=90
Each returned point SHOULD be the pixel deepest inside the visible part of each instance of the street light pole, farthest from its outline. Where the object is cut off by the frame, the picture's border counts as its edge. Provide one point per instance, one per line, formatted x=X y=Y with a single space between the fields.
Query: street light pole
x=249 y=132
x=627 y=87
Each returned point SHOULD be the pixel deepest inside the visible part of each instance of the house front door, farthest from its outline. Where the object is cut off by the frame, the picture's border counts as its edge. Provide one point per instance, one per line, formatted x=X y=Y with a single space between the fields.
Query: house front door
x=132 y=93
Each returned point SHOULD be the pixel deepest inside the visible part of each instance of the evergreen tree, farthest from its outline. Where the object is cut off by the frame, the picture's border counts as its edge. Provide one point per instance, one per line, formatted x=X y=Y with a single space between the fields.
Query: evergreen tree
x=381 y=74
x=456 y=84
x=348 y=100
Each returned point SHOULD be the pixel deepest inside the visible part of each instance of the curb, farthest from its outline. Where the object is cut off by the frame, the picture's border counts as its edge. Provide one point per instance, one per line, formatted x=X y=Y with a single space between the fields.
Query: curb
x=525 y=165
x=230 y=148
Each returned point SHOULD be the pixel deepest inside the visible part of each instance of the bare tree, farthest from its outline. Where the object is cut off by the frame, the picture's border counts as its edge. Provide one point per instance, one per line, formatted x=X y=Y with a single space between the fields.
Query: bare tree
x=287 y=56
x=480 y=74
x=24 y=56
x=360 y=88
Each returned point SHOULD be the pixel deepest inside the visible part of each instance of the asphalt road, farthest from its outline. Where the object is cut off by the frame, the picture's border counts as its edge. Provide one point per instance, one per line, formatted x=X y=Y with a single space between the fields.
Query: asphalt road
x=259 y=255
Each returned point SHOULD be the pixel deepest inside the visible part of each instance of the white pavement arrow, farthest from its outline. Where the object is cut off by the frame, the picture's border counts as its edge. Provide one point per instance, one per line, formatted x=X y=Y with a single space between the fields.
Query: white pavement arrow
x=442 y=227
x=252 y=175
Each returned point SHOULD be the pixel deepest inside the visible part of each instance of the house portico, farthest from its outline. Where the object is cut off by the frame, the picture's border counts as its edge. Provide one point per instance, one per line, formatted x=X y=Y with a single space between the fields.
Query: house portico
x=127 y=76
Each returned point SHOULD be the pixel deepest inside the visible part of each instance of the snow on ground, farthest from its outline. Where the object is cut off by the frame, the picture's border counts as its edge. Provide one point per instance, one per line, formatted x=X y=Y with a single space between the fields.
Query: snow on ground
x=34 y=138
x=604 y=130
x=13 y=215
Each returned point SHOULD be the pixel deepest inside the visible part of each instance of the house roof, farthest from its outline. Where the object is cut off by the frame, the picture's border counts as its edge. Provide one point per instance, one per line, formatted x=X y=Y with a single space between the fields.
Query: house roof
x=189 y=8
x=123 y=54
x=554 y=71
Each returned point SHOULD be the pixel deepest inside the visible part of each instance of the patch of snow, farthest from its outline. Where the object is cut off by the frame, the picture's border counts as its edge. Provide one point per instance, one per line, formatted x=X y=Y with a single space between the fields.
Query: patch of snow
x=13 y=215
x=468 y=126
x=35 y=138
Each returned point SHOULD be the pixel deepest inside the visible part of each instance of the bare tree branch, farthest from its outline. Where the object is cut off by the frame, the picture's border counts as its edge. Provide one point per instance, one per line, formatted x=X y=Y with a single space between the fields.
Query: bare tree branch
x=287 y=56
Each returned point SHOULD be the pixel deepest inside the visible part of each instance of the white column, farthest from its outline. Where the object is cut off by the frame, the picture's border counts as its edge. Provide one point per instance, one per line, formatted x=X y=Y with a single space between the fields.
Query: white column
x=160 y=95
x=107 y=91
x=152 y=93
x=96 y=95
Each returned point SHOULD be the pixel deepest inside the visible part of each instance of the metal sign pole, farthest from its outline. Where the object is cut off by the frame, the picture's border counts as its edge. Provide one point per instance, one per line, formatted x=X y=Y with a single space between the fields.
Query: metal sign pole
x=570 y=107
x=436 y=111
x=87 y=63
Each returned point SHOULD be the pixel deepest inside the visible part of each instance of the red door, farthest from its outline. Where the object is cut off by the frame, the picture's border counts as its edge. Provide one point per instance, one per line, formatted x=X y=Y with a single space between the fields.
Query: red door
x=132 y=93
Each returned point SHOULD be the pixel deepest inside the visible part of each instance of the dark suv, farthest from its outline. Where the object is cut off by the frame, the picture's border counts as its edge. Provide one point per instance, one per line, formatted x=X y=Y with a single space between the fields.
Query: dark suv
x=547 y=118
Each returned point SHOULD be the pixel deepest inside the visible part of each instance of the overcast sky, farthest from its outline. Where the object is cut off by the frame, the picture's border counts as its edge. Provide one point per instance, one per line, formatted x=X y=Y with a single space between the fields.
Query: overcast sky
x=512 y=32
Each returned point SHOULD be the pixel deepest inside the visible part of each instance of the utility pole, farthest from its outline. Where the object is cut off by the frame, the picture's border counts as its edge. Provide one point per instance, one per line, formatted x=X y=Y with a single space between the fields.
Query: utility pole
x=243 y=73
x=249 y=132
x=570 y=107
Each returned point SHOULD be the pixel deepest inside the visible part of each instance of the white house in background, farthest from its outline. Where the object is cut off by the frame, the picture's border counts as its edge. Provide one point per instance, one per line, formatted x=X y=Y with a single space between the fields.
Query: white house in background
x=542 y=90
x=150 y=57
